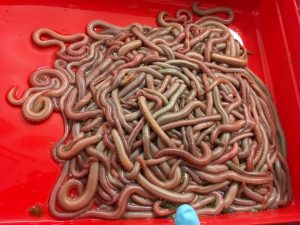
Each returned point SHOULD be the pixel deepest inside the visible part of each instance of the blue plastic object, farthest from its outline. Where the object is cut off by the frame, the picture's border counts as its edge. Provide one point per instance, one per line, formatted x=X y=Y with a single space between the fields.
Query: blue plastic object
x=186 y=215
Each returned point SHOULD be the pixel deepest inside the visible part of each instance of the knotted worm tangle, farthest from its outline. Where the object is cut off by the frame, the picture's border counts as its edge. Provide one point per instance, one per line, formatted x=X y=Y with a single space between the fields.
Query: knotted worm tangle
x=155 y=117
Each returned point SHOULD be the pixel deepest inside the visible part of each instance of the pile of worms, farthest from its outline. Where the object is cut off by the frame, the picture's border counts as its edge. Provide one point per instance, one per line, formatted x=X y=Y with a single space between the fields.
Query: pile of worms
x=155 y=117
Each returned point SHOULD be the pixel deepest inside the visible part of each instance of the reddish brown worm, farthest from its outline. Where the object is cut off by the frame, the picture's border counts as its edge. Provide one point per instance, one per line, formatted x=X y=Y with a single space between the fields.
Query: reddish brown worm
x=180 y=198
x=170 y=117
x=92 y=124
x=195 y=121
x=77 y=115
x=78 y=146
x=161 y=21
x=121 y=207
x=154 y=125
x=145 y=40
x=45 y=107
x=138 y=208
x=204 y=12
x=75 y=173
x=167 y=184
x=208 y=51
x=244 y=202
x=14 y=100
x=118 y=106
x=134 y=172
x=196 y=162
x=228 y=155
x=231 y=127
x=107 y=187
x=136 y=61
x=218 y=207
x=201 y=189
x=85 y=196
x=253 y=195
x=232 y=61
x=141 y=201
x=178 y=39
x=158 y=210
x=217 y=178
x=129 y=47
x=53 y=197
x=230 y=195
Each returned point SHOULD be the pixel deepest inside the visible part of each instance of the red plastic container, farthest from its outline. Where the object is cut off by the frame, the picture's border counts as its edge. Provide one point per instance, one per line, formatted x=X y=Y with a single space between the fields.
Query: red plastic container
x=269 y=28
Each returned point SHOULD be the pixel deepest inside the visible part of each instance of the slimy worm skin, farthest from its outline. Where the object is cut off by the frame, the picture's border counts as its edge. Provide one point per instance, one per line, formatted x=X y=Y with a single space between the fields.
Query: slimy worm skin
x=157 y=117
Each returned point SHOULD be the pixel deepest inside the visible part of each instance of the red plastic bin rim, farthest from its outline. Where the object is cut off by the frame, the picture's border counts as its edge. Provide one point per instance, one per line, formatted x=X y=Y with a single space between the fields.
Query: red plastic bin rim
x=269 y=28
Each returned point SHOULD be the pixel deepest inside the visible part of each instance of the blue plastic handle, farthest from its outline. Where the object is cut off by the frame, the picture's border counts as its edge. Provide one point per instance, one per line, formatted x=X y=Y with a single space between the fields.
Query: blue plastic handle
x=186 y=215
